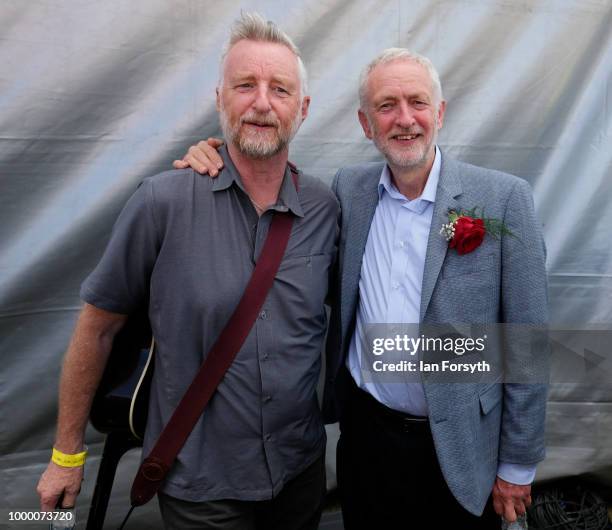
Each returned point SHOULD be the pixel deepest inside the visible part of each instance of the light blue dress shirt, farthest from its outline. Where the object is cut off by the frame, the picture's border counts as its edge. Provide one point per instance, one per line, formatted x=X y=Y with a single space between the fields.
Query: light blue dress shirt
x=390 y=291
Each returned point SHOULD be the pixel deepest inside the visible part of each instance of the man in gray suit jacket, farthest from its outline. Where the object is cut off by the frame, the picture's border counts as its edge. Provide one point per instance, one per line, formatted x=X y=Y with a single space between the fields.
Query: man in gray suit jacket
x=447 y=455
x=439 y=450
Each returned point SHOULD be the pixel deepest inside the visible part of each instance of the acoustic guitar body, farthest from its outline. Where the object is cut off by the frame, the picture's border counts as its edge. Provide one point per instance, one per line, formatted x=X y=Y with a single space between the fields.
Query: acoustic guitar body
x=120 y=406
x=121 y=401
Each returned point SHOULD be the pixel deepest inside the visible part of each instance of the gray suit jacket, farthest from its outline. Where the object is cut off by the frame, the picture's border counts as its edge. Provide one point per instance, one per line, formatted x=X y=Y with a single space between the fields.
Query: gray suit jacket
x=475 y=426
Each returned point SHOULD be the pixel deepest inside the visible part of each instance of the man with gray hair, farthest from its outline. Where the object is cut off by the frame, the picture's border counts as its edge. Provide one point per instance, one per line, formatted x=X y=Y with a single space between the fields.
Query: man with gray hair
x=421 y=253
x=413 y=250
x=187 y=247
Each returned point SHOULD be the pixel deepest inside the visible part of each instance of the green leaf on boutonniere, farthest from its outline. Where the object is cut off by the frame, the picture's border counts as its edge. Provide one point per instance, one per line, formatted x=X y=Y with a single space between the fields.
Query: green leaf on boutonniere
x=494 y=227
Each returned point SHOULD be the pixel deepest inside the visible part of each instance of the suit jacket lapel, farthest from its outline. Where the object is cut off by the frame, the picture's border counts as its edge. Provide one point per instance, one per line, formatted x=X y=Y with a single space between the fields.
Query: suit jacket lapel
x=449 y=187
x=363 y=206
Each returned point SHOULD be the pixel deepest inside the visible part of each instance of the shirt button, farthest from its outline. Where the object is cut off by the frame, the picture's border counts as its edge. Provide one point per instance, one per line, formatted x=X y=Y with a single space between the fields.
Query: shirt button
x=396 y=285
x=267 y=437
x=402 y=244
x=267 y=399
x=263 y=315
x=264 y=356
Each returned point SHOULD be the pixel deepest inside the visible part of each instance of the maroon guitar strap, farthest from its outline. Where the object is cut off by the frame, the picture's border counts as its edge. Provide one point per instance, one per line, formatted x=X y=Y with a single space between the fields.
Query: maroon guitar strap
x=156 y=465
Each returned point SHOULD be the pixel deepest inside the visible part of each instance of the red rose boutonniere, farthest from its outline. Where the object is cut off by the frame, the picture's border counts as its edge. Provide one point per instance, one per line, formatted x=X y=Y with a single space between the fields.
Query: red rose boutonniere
x=465 y=230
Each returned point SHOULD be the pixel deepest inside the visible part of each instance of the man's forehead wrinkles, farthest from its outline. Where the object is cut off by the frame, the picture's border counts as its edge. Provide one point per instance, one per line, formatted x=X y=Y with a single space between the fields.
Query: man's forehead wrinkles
x=259 y=73
x=397 y=93
x=255 y=71
x=399 y=81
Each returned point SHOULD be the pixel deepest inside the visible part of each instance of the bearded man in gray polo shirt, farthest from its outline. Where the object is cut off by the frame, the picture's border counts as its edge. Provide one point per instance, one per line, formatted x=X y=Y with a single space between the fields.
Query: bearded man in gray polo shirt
x=188 y=246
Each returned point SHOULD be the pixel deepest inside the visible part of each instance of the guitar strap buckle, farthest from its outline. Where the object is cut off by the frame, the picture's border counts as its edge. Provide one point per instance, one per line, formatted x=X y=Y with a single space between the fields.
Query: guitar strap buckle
x=154 y=469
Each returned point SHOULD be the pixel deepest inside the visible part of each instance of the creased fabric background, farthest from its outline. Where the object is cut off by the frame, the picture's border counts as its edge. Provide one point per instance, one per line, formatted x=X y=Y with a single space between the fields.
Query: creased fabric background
x=94 y=96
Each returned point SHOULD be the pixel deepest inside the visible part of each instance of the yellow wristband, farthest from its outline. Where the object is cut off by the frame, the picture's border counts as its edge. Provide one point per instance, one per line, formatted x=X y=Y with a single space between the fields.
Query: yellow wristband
x=64 y=460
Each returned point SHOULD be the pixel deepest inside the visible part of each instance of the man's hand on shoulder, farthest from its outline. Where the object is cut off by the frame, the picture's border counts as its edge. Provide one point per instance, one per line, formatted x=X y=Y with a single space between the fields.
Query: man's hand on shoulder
x=510 y=500
x=202 y=157
x=58 y=480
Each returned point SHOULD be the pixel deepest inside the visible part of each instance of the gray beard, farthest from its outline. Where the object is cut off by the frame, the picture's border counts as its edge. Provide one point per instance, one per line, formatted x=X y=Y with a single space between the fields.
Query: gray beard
x=258 y=148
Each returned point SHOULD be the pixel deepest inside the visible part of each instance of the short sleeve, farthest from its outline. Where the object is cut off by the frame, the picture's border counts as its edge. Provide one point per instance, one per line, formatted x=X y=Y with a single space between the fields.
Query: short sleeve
x=120 y=281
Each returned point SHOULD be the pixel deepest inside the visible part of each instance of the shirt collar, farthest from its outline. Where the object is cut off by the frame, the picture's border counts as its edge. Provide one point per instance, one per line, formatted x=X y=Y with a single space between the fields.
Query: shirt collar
x=429 y=192
x=288 y=199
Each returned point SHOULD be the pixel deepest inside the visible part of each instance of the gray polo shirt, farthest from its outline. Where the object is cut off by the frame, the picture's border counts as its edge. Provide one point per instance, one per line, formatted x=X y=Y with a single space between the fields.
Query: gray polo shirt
x=188 y=244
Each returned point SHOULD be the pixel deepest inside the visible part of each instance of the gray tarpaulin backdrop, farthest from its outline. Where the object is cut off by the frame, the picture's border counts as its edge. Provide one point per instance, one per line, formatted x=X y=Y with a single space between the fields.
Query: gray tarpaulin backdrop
x=94 y=96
